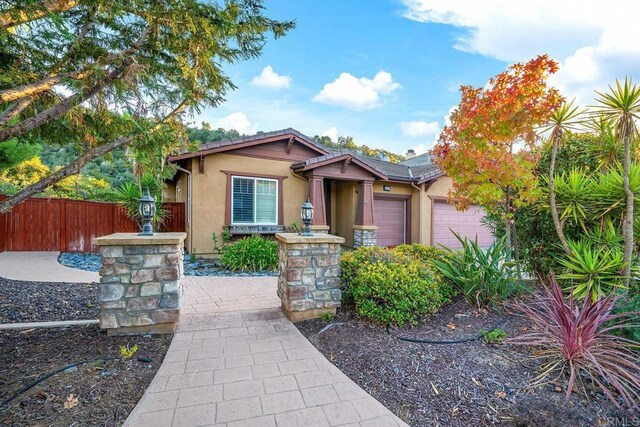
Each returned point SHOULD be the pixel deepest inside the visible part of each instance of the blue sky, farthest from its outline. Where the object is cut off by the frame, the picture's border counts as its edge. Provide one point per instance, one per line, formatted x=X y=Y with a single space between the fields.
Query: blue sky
x=387 y=72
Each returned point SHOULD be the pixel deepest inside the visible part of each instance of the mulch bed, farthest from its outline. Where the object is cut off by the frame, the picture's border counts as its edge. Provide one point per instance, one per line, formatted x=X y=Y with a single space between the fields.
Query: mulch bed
x=43 y=302
x=467 y=384
x=106 y=392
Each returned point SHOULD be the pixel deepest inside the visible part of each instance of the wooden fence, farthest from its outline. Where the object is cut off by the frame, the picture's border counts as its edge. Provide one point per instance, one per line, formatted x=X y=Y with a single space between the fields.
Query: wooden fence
x=70 y=225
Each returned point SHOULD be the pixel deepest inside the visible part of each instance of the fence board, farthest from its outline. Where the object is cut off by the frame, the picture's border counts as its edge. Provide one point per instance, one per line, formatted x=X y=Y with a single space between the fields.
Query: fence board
x=70 y=225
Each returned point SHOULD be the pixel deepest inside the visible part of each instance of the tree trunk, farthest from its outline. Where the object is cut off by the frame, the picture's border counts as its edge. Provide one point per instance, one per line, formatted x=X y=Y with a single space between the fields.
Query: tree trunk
x=552 y=197
x=627 y=225
x=72 y=169
x=16 y=16
x=507 y=223
x=14 y=109
x=43 y=85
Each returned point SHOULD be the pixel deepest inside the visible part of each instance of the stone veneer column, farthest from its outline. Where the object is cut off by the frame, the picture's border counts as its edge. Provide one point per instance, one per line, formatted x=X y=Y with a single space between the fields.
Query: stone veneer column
x=364 y=235
x=140 y=282
x=309 y=281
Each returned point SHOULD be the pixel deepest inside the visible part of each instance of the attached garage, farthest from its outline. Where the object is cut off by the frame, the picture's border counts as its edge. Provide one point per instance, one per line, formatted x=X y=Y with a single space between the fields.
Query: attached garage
x=445 y=219
x=391 y=216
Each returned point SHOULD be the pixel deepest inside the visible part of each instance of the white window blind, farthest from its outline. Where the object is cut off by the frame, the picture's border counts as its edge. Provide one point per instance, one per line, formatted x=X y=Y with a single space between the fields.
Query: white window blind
x=254 y=200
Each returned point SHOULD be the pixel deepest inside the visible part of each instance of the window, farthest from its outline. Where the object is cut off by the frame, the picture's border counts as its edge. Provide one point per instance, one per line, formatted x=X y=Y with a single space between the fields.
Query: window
x=254 y=200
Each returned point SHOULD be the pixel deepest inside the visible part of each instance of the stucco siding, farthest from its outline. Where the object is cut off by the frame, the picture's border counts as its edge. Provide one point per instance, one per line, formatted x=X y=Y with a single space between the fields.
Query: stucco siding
x=210 y=193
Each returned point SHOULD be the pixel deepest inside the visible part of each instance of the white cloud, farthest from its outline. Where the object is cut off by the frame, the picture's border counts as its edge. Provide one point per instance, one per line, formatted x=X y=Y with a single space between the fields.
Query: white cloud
x=595 y=43
x=357 y=93
x=238 y=121
x=418 y=128
x=332 y=133
x=270 y=79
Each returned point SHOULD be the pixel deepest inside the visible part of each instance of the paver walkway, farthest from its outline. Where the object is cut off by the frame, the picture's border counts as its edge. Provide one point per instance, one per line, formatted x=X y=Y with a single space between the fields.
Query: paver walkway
x=236 y=360
x=41 y=267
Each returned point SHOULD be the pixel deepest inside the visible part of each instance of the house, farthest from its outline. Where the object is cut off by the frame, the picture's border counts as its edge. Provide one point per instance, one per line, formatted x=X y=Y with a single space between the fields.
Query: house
x=256 y=184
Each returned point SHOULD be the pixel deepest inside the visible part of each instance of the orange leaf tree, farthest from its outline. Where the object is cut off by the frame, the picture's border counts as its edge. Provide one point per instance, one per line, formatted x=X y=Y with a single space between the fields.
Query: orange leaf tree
x=489 y=147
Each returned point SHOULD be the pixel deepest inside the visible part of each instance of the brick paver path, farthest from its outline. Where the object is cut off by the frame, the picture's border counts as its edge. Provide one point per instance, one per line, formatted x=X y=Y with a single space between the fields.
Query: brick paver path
x=237 y=361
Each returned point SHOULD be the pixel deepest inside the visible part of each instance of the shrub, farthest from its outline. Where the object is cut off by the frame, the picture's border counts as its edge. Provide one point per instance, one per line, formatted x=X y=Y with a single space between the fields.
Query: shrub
x=428 y=254
x=388 y=286
x=578 y=340
x=253 y=253
x=484 y=276
x=593 y=269
x=630 y=305
x=495 y=336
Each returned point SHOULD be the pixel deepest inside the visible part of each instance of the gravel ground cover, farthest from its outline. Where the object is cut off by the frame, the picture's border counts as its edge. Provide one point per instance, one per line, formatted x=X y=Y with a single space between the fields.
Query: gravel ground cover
x=44 y=302
x=101 y=393
x=198 y=267
x=469 y=384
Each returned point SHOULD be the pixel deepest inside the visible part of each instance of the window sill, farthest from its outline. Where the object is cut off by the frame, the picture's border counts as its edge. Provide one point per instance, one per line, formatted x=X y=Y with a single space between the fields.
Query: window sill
x=254 y=229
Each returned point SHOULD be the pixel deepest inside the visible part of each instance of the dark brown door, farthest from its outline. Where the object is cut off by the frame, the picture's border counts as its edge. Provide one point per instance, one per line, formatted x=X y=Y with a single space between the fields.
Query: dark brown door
x=390 y=217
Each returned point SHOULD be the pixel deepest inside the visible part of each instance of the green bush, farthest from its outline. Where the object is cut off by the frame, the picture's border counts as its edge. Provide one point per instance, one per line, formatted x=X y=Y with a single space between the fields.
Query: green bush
x=484 y=276
x=253 y=253
x=629 y=305
x=391 y=286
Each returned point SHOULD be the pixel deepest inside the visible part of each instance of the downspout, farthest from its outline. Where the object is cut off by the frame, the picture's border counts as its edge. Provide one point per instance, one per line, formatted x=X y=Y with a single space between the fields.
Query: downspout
x=188 y=206
x=420 y=219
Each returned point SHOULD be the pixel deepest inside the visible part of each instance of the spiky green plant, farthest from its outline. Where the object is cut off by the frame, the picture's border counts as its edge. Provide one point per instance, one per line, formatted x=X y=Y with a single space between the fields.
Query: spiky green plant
x=565 y=118
x=621 y=106
x=593 y=269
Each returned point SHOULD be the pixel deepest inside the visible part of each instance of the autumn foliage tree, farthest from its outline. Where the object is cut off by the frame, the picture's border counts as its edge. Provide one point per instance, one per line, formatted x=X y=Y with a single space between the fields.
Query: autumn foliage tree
x=488 y=149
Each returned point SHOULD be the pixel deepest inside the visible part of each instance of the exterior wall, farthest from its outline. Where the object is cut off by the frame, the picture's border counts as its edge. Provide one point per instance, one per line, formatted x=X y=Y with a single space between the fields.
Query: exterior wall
x=210 y=188
x=439 y=188
x=346 y=204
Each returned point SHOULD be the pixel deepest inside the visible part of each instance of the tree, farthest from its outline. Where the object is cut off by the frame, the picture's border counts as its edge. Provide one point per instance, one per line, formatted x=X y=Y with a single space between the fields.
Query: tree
x=621 y=107
x=488 y=150
x=561 y=121
x=118 y=73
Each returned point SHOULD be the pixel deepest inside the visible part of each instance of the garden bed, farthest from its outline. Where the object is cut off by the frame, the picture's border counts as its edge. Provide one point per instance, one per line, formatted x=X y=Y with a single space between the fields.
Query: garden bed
x=197 y=267
x=44 y=302
x=466 y=384
x=106 y=391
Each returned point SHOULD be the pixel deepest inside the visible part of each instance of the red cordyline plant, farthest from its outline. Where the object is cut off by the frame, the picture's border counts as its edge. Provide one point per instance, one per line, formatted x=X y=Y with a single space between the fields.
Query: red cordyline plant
x=577 y=339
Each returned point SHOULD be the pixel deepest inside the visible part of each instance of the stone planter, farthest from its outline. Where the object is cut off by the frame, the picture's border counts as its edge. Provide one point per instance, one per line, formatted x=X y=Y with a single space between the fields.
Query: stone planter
x=141 y=288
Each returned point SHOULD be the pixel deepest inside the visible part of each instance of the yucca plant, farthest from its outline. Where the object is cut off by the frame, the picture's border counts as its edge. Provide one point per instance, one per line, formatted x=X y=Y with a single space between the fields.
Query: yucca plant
x=593 y=270
x=573 y=192
x=483 y=276
x=621 y=106
x=578 y=341
x=565 y=118
x=128 y=196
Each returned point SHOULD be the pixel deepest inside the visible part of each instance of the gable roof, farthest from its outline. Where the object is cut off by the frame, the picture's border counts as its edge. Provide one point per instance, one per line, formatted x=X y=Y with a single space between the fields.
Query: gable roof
x=338 y=156
x=247 y=141
x=418 y=169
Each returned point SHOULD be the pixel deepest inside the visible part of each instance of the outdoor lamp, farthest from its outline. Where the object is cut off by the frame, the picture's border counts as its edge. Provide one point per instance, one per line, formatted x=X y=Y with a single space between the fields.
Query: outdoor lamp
x=306 y=213
x=147 y=211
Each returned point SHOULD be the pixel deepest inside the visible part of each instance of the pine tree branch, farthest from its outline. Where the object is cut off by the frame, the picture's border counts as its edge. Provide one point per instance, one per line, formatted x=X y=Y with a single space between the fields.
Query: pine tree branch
x=77 y=165
x=70 y=102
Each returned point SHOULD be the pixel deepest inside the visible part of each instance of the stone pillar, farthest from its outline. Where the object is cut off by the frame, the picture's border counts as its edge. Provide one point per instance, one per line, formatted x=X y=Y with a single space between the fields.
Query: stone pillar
x=364 y=235
x=140 y=282
x=309 y=281
x=364 y=231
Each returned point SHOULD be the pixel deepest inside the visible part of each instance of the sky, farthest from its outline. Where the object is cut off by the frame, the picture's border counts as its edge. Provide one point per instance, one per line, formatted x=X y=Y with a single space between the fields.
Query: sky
x=388 y=72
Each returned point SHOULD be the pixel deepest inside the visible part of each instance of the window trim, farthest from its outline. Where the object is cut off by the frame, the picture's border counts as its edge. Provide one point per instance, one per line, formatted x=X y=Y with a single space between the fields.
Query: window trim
x=255 y=204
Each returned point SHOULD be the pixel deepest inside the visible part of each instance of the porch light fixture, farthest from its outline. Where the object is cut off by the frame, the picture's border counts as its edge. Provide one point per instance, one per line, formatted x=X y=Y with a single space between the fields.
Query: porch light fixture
x=147 y=210
x=306 y=213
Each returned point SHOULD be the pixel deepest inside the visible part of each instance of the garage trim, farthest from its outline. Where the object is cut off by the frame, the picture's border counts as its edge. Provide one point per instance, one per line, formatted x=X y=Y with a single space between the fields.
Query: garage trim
x=407 y=219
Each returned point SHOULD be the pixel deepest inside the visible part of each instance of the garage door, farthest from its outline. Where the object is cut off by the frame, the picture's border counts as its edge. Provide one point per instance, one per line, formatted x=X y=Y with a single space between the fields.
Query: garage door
x=390 y=217
x=467 y=223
